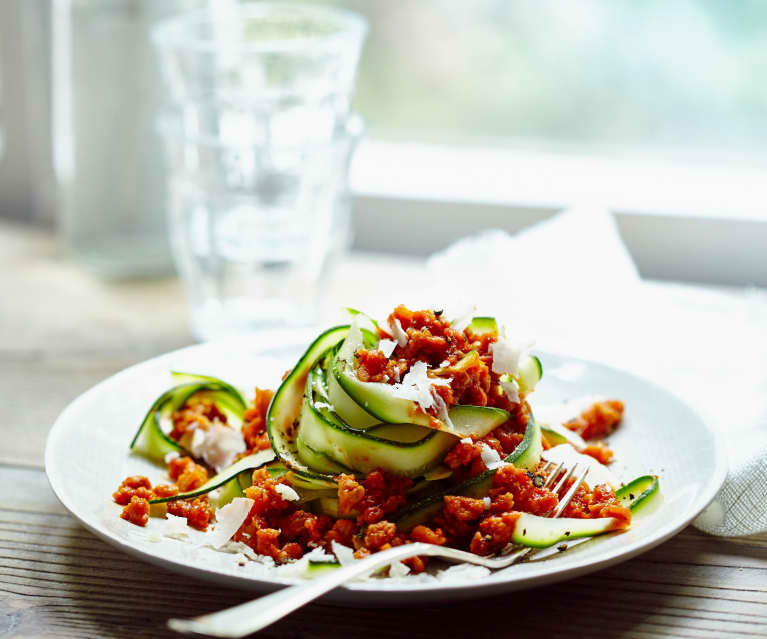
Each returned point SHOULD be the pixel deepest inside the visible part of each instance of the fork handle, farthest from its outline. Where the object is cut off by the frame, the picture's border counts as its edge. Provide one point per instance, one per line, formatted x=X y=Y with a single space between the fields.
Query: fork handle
x=252 y=616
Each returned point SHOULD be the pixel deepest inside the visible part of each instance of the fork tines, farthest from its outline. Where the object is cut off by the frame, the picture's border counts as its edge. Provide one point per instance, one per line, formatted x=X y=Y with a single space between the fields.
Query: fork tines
x=566 y=474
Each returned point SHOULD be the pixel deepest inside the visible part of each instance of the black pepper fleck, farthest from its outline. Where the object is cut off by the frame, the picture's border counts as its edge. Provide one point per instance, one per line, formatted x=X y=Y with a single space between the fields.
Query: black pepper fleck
x=562 y=547
x=567 y=533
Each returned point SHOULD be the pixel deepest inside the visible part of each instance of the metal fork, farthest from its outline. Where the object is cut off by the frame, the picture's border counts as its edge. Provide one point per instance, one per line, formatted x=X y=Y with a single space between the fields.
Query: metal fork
x=252 y=616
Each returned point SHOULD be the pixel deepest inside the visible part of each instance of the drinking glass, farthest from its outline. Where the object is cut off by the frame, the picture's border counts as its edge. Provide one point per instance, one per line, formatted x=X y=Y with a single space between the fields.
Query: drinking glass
x=253 y=230
x=258 y=136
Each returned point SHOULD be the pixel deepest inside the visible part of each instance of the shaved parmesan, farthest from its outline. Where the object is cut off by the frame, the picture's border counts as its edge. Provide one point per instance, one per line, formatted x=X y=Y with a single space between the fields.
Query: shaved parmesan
x=511 y=388
x=353 y=341
x=417 y=386
x=506 y=355
x=237 y=548
x=171 y=456
x=442 y=411
x=286 y=492
x=318 y=554
x=461 y=316
x=490 y=457
x=218 y=445
x=487 y=502
x=387 y=346
x=398 y=569
x=175 y=527
x=229 y=519
x=197 y=443
x=398 y=333
x=467 y=440
x=344 y=554
x=598 y=473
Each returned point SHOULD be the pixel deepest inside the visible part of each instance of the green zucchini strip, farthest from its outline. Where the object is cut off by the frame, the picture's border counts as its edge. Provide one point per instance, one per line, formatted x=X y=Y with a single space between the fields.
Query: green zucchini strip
x=231 y=390
x=282 y=418
x=249 y=463
x=638 y=491
x=317 y=460
x=346 y=408
x=317 y=567
x=526 y=455
x=480 y=326
x=379 y=400
x=535 y=531
x=364 y=318
x=543 y=532
x=153 y=441
x=403 y=449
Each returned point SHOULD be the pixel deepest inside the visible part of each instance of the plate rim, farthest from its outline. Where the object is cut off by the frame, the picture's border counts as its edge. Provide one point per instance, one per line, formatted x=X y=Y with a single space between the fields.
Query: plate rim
x=371 y=593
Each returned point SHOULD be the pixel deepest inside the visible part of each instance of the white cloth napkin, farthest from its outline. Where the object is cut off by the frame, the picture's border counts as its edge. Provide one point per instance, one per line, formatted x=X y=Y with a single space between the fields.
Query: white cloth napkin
x=570 y=283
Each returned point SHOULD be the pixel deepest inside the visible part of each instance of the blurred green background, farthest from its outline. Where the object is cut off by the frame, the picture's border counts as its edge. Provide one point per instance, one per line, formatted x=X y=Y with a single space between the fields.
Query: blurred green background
x=684 y=76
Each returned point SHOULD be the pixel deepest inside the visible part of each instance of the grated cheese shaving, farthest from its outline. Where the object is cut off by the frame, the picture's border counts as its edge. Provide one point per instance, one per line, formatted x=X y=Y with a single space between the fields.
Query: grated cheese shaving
x=286 y=492
x=218 y=445
x=229 y=519
x=175 y=527
x=507 y=353
x=467 y=440
x=198 y=441
x=511 y=389
x=344 y=554
x=239 y=548
x=397 y=332
x=487 y=502
x=171 y=456
x=398 y=569
x=387 y=346
x=442 y=411
x=417 y=386
x=318 y=554
x=461 y=316
x=352 y=342
x=490 y=457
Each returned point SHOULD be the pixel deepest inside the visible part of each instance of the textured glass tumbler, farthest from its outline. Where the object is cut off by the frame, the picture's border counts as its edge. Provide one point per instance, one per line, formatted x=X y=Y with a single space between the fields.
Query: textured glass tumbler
x=259 y=136
x=253 y=231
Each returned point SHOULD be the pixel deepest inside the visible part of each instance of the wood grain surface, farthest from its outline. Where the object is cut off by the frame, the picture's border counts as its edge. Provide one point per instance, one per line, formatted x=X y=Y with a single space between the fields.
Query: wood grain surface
x=61 y=331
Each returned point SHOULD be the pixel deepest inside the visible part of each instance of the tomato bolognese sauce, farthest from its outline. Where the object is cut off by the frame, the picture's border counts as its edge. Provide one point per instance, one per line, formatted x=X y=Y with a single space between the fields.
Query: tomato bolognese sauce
x=480 y=455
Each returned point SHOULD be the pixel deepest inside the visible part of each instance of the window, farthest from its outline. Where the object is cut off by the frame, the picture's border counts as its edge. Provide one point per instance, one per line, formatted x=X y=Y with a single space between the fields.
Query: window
x=682 y=76
x=499 y=113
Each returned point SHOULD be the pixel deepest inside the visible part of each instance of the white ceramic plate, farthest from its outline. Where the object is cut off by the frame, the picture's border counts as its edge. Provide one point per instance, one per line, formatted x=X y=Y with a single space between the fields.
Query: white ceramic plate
x=87 y=457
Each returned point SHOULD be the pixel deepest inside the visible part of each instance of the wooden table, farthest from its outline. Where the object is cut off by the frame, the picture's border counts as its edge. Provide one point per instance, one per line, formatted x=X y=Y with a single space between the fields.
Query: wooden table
x=62 y=330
